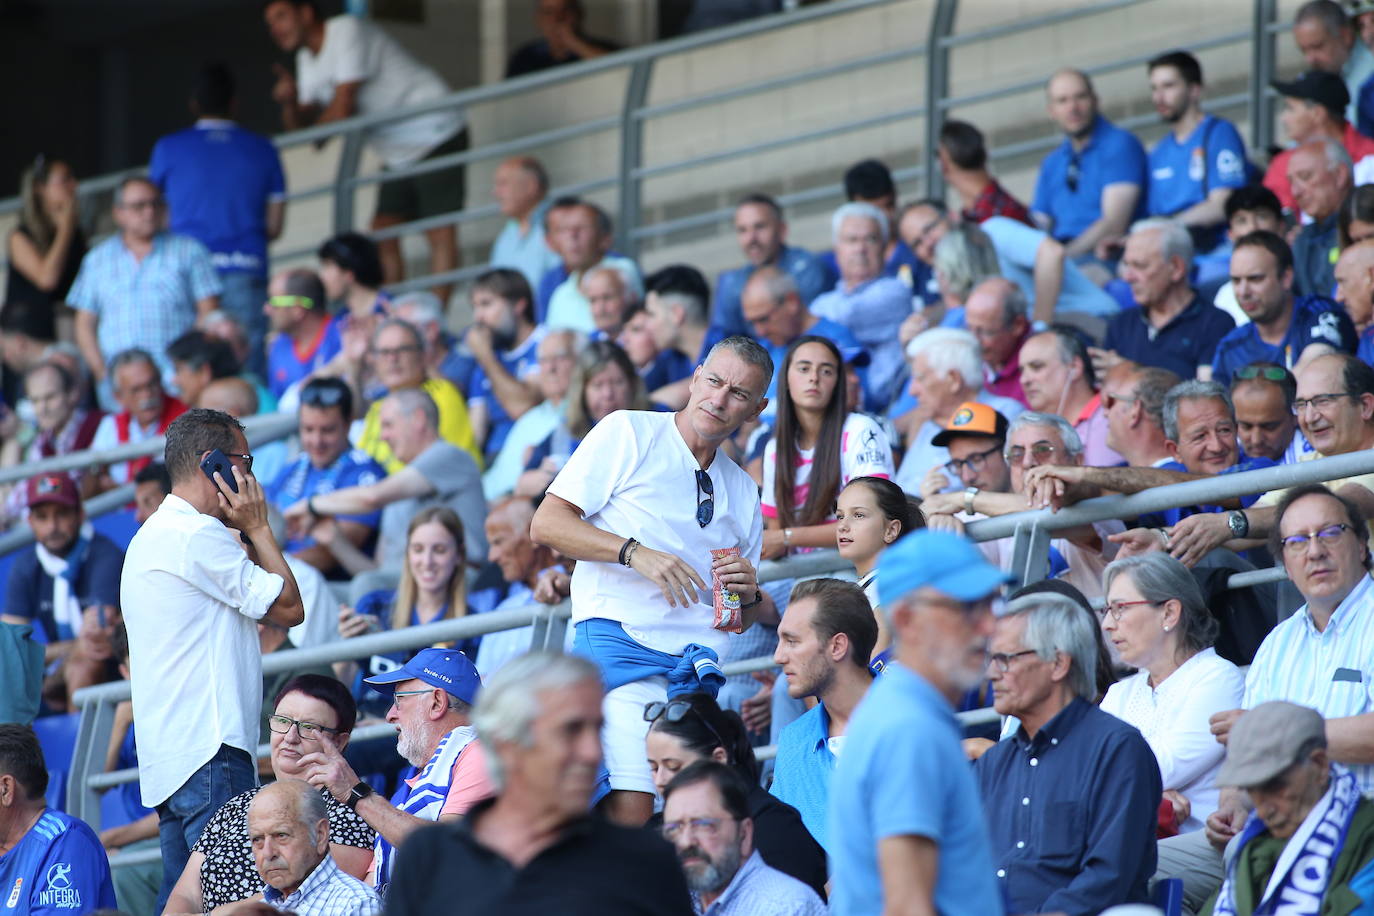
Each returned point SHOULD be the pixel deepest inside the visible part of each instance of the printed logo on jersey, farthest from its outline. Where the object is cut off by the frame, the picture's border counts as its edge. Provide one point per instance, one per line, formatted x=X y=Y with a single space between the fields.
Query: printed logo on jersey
x=870 y=450
x=1230 y=167
x=1328 y=328
x=60 y=893
x=1197 y=165
x=13 y=900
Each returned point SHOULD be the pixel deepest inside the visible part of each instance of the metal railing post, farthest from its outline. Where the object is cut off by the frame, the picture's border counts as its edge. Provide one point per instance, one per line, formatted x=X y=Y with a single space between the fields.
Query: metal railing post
x=1030 y=554
x=937 y=88
x=344 y=190
x=88 y=758
x=631 y=156
x=1263 y=54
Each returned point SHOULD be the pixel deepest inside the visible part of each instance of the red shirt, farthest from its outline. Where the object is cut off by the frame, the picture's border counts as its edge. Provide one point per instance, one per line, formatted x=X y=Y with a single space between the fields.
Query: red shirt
x=1006 y=382
x=1276 y=178
x=994 y=200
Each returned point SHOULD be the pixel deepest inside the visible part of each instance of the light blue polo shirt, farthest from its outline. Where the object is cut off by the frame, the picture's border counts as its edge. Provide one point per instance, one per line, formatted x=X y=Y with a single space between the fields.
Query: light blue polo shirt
x=1018 y=245
x=1111 y=156
x=803 y=768
x=903 y=773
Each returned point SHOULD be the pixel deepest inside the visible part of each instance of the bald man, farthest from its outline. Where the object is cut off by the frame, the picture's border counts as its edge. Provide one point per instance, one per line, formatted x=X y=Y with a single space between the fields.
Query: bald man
x=1091 y=186
x=1355 y=291
x=521 y=561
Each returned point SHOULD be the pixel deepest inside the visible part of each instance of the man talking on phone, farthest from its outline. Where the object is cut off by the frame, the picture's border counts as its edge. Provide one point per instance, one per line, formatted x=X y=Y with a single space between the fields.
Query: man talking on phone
x=192 y=600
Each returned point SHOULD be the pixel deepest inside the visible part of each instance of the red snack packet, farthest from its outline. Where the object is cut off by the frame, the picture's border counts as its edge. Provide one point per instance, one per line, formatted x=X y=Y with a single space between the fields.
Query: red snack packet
x=727 y=603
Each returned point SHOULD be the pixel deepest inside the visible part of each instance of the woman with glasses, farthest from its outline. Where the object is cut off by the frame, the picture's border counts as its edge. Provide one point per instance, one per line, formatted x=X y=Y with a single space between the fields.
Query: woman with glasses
x=871 y=513
x=818 y=446
x=310 y=709
x=692 y=727
x=1158 y=623
x=605 y=381
x=45 y=250
x=433 y=587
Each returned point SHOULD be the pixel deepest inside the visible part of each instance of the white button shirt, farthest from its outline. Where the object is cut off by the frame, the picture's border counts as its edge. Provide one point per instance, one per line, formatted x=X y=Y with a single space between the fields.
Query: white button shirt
x=191 y=600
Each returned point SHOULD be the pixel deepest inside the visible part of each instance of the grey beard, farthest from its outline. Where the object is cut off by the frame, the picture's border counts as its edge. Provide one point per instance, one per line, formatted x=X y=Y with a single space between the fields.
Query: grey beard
x=408 y=746
x=713 y=877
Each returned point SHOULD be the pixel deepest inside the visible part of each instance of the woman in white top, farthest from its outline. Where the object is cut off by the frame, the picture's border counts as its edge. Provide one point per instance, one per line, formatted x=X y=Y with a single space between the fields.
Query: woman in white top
x=871 y=513
x=817 y=448
x=1158 y=622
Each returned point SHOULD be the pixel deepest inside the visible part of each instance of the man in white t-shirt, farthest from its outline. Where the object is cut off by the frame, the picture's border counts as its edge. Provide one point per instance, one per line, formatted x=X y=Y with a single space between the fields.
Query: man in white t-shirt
x=347 y=66
x=640 y=505
x=192 y=601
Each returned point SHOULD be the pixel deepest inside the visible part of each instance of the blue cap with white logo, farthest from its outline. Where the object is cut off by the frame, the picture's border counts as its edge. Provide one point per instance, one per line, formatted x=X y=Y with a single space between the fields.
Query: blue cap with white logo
x=946 y=562
x=447 y=669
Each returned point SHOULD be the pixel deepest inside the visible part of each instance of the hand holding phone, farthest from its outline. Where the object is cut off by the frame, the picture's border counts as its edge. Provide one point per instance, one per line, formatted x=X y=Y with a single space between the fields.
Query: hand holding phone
x=218 y=461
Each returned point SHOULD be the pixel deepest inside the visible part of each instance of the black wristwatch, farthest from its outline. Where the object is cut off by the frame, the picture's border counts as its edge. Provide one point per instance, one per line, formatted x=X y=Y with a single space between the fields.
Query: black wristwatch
x=1239 y=524
x=356 y=794
x=758 y=598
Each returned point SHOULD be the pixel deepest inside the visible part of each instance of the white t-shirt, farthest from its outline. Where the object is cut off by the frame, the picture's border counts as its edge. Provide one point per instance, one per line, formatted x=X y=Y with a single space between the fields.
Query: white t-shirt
x=1174 y=718
x=633 y=475
x=191 y=601
x=356 y=50
x=864 y=452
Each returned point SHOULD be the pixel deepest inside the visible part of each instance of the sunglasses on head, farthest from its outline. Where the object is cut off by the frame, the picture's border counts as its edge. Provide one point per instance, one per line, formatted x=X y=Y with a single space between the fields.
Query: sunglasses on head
x=323 y=396
x=1272 y=373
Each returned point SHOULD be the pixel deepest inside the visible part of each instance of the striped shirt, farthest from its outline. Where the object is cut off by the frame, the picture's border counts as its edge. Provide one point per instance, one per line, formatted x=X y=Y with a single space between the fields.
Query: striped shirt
x=327 y=891
x=147 y=303
x=1329 y=670
x=757 y=890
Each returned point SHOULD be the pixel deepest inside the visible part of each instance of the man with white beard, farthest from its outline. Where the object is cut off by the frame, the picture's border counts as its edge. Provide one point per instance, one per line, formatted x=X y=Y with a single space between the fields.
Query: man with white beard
x=432 y=697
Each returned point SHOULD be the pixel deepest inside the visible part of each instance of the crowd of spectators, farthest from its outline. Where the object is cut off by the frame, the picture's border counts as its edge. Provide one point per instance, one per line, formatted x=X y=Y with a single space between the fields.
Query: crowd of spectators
x=637 y=442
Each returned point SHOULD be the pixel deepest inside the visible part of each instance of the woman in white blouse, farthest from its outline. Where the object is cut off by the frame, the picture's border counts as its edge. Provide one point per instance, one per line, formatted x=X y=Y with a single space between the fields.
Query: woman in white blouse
x=1157 y=621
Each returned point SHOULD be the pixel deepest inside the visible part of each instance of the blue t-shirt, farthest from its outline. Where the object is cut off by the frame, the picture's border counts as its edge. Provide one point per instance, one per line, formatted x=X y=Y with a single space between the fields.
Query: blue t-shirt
x=301 y=479
x=1069 y=187
x=522 y=362
x=58 y=867
x=805 y=269
x=1316 y=320
x=902 y=265
x=903 y=773
x=1365 y=351
x=1183 y=174
x=287 y=365
x=1181 y=346
x=218 y=179
x=29 y=590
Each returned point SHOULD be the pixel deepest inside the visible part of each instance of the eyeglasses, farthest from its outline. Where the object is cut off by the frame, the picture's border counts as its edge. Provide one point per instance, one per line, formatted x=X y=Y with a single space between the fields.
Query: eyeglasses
x=703 y=826
x=1272 y=373
x=1327 y=537
x=323 y=395
x=973 y=462
x=1003 y=660
x=246 y=459
x=151 y=204
x=1071 y=175
x=410 y=693
x=1319 y=402
x=706 y=508
x=286 y=302
x=1039 y=451
x=1117 y=609
x=309 y=731
x=1111 y=400
x=389 y=352
x=676 y=711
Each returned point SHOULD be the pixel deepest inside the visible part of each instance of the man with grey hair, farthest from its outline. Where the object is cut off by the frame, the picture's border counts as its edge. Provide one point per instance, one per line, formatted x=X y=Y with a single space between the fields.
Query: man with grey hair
x=424 y=310
x=1321 y=175
x=1314 y=108
x=666 y=532
x=431 y=707
x=1057 y=377
x=1169 y=327
x=870 y=305
x=946 y=370
x=1328 y=42
x=1133 y=397
x=536 y=841
x=1286 y=327
x=288 y=829
x=146 y=410
x=1072 y=797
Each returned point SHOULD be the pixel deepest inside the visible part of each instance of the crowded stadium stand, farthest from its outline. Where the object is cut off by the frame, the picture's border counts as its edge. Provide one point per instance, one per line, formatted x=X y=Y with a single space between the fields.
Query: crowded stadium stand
x=1023 y=357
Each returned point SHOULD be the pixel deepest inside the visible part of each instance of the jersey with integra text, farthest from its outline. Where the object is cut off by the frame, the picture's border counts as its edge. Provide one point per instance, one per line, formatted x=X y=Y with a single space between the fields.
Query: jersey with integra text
x=58 y=867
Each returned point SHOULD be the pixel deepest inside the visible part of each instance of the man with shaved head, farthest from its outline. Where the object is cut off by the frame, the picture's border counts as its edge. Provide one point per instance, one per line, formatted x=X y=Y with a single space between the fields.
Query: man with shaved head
x=1091 y=186
x=996 y=314
x=288 y=828
x=1355 y=291
x=520 y=186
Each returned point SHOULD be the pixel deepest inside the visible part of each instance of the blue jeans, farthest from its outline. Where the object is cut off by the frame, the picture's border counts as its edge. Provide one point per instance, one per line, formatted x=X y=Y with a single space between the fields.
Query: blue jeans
x=243 y=299
x=183 y=816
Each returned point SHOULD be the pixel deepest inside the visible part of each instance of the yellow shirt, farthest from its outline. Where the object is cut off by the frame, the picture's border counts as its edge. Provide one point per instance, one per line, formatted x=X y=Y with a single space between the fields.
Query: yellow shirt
x=454 y=425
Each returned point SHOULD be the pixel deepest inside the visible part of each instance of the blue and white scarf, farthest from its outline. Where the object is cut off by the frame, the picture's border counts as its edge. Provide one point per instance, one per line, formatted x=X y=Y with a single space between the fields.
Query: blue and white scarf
x=425 y=798
x=1303 y=870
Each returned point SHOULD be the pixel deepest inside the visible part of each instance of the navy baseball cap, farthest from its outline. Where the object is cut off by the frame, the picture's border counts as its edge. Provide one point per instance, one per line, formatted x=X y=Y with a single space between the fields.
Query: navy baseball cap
x=447 y=669
x=946 y=562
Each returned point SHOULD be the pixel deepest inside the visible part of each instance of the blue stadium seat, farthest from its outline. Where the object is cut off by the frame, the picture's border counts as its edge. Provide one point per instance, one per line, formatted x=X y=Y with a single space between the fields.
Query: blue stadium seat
x=57 y=737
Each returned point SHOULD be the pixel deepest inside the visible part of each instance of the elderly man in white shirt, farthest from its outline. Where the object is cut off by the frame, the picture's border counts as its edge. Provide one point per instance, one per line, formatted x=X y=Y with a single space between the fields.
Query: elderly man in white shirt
x=192 y=599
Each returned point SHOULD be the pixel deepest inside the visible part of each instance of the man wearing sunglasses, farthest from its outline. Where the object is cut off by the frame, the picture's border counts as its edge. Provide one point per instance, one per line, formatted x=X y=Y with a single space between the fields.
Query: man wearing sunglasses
x=641 y=506
x=306 y=338
x=1320 y=658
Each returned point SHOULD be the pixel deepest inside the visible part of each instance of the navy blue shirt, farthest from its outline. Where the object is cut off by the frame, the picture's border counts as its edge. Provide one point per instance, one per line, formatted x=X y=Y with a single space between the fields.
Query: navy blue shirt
x=218 y=179
x=1181 y=346
x=1314 y=258
x=29 y=592
x=1069 y=187
x=1072 y=813
x=1316 y=320
x=1170 y=517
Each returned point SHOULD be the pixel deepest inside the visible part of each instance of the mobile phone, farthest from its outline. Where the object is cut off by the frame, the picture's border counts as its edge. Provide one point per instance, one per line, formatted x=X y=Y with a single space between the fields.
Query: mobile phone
x=218 y=461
